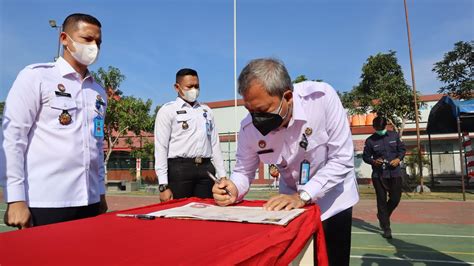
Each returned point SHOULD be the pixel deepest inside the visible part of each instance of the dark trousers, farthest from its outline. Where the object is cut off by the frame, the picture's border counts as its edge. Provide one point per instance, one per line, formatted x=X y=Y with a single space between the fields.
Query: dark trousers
x=44 y=216
x=337 y=232
x=189 y=179
x=383 y=186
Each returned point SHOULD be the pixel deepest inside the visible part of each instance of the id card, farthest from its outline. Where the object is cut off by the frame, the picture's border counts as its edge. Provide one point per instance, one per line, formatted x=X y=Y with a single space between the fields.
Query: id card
x=98 y=126
x=304 y=172
x=208 y=128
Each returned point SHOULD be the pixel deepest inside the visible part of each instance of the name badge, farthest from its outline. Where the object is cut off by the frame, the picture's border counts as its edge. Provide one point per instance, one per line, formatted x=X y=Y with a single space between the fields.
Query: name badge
x=304 y=172
x=265 y=151
x=62 y=94
x=98 y=126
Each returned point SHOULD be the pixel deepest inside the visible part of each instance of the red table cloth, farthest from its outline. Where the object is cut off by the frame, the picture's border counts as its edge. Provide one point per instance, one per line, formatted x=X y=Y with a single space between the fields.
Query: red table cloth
x=111 y=240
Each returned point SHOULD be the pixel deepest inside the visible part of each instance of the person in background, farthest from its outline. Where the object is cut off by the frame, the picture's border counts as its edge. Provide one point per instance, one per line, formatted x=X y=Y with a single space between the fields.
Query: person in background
x=303 y=129
x=186 y=143
x=53 y=134
x=384 y=151
x=273 y=169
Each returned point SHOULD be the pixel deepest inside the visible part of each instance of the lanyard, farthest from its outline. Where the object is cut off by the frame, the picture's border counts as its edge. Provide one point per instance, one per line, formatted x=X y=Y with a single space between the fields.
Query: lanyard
x=305 y=165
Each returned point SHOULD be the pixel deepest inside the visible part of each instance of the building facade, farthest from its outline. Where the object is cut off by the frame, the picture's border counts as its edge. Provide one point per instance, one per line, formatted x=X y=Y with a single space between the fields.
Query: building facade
x=444 y=162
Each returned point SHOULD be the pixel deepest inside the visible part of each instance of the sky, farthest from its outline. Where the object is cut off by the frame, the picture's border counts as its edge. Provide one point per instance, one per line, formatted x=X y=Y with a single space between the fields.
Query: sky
x=150 y=40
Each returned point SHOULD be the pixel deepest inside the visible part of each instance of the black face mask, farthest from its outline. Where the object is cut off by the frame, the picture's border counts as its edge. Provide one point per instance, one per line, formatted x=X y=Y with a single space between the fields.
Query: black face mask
x=267 y=122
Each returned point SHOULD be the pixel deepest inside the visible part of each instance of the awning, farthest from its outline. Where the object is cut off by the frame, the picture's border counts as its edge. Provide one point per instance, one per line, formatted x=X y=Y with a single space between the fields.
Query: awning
x=443 y=116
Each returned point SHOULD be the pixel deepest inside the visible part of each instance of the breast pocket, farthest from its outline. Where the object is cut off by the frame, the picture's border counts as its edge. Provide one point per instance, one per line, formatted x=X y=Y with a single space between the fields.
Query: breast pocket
x=63 y=112
x=184 y=121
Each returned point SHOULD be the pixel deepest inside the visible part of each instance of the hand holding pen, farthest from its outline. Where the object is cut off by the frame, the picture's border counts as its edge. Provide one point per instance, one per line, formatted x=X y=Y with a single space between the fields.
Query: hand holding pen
x=218 y=181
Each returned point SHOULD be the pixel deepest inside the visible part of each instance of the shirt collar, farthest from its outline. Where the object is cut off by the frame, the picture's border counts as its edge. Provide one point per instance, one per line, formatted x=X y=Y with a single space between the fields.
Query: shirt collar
x=181 y=103
x=66 y=69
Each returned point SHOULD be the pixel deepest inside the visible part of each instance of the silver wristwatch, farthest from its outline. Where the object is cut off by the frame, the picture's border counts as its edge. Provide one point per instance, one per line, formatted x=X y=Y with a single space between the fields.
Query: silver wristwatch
x=305 y=197
x=162 y=187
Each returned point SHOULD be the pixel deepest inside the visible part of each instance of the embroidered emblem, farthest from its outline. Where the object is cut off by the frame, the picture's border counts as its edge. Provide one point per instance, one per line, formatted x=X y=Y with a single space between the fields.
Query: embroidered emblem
x=61 y=87
x=65 y=118
x=185 y=125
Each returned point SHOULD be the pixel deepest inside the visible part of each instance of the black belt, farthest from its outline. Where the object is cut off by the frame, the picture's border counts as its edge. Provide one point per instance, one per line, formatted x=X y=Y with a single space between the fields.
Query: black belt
x=197 y=160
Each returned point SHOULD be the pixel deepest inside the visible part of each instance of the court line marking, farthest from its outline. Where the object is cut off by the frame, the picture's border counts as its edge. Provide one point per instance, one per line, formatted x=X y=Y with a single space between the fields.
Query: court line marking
x=414 y=250
x=412 y=260
x=407 y=234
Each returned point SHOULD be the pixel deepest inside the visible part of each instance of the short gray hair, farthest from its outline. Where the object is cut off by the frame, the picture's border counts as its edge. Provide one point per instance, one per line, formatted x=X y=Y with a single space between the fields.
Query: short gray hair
x=270 y=72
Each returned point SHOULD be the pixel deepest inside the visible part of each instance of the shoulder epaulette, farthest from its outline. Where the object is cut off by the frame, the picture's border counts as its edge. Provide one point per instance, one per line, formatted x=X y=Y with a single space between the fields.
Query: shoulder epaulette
x=246 y=121
x=39 y=65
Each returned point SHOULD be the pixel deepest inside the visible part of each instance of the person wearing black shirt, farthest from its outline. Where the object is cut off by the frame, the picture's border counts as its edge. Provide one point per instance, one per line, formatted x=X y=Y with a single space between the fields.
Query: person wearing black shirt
x=384 y=151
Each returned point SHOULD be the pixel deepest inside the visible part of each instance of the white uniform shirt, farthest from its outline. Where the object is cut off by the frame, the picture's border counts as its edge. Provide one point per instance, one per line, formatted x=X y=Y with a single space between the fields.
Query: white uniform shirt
x=46 y=163
x=318 y=113
x=195 y=139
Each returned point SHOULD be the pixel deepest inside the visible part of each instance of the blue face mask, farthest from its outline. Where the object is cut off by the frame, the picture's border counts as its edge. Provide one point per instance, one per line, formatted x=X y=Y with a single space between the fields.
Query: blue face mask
x=381 y=132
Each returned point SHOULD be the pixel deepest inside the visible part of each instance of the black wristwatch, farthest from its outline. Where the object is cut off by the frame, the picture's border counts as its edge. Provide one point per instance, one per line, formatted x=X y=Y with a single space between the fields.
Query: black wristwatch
x=162 y=187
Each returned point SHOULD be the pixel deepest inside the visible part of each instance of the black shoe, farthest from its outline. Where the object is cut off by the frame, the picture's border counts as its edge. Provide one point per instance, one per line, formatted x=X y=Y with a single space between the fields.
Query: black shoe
x=387 y=234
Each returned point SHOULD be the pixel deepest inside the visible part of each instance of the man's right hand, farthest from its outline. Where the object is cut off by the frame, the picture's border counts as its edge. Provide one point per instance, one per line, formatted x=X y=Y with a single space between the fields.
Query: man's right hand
x=166 y=195
x=17 y=215
x=220 y=195
x=378 y=162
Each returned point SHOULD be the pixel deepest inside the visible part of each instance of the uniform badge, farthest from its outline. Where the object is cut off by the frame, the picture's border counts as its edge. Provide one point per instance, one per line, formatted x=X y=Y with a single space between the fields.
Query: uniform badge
x=262 y=144
x=308 y=131
x=65 y=118
x=61 y=87
x=185 y=125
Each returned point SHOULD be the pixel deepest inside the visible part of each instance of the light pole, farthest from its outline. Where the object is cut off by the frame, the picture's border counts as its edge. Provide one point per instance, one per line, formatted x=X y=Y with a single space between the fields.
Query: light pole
x=53 y=24
x=418 y=144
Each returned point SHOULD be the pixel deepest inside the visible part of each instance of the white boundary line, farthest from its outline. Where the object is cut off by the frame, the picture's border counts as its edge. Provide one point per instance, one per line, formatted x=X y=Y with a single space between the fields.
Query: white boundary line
x=412 y=260
x=407 y=234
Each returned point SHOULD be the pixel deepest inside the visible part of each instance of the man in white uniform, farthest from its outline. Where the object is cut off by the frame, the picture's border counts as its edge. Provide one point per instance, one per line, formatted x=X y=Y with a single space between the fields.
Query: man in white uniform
x=186 y=141
x=53 y=170
x=305 y=132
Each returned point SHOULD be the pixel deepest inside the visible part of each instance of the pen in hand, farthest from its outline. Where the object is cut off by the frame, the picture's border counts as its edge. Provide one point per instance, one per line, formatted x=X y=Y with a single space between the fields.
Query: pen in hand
x=218 y=181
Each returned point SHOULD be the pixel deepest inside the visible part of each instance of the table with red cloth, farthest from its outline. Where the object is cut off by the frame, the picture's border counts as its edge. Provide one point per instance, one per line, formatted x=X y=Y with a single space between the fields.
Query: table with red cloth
x=111 y=240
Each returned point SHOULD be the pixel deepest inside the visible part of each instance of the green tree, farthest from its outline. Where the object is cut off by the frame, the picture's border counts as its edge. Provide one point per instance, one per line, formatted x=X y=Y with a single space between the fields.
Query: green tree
x=124 y=114
x=299 y=79
x=110 y=79
x=2 y=105
x=411 y=161
x=383 y=89
x=302 y=78
x=456 y=70
x=350 y=102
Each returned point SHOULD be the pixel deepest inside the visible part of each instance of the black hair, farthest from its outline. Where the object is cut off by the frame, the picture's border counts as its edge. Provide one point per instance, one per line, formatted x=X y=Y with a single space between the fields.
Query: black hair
x=70 y=23
x=379 y=122
x=185 y=72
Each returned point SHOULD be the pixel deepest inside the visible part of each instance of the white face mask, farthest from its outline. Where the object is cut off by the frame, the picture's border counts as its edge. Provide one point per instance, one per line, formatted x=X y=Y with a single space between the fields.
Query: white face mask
x=85 y=54
x=190 y=95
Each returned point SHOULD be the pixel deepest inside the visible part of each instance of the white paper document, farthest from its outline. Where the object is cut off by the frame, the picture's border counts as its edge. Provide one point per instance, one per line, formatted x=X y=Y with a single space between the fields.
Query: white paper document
x=243 y=214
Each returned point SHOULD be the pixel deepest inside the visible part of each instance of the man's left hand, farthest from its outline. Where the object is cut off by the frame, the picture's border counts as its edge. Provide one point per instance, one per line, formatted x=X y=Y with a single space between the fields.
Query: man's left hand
x=284 y=202
x=395 y=162
x=103 y=205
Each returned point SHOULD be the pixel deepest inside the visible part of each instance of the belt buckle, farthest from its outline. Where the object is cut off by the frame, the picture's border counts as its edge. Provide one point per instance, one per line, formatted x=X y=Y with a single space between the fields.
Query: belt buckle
x=198 y=160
